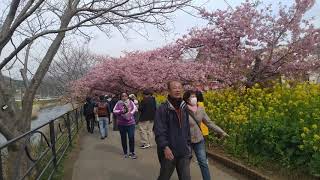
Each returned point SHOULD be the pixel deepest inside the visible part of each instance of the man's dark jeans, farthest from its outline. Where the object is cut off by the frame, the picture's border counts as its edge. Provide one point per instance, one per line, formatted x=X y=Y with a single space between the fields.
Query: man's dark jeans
x=182 y=164
x=124 y=130
x=90 y=124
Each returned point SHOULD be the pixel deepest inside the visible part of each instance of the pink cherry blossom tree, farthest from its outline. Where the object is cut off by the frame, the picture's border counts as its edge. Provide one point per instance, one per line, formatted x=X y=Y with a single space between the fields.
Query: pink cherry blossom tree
x=252 y=43
x=137 y=71
x=242 y=46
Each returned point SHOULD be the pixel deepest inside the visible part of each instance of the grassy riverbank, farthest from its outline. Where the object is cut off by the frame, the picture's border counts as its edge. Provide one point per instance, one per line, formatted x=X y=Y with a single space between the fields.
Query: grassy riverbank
x=40 y=104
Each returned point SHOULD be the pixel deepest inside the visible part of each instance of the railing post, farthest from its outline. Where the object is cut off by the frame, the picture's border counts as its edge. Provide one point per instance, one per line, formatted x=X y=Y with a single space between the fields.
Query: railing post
x=69 y=128
x=81 y=113
x=53 y=143
x=77 y=122
x=1 y=168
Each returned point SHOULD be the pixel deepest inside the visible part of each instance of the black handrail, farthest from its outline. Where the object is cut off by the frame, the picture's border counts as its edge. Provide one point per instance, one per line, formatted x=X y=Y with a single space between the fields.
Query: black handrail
x=70 y=129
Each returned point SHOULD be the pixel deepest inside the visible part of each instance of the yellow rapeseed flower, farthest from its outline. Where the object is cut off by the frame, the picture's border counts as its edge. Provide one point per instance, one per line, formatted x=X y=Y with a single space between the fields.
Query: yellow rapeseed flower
x=315 y=148
x=301 y=147
x=314 y=126
x=305 y=129
x=316 y=137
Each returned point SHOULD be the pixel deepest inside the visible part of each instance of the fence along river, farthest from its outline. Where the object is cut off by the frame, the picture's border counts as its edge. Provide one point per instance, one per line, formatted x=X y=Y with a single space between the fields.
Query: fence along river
x=45 y=115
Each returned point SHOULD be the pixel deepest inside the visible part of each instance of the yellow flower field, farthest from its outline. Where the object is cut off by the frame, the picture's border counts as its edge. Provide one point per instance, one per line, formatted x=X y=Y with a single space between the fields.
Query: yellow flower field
x=279 y=123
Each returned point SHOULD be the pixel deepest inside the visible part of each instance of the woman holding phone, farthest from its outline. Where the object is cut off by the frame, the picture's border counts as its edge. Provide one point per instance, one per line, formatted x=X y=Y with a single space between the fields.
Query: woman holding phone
x=124 y=111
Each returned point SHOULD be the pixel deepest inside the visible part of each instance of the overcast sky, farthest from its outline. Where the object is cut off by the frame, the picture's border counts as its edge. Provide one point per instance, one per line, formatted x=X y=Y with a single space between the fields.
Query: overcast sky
x=182 y=22
x=115 y=44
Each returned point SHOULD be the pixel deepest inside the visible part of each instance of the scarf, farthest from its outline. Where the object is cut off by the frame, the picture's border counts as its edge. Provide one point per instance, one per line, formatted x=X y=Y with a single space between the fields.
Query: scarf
x=176 y=102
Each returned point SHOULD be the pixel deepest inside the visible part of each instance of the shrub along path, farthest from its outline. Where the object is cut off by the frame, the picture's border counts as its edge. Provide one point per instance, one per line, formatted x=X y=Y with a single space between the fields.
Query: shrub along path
x=103 y=160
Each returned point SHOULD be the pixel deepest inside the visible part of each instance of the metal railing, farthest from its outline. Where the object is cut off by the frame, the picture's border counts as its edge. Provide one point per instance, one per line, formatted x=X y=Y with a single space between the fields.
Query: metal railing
x=43 y=146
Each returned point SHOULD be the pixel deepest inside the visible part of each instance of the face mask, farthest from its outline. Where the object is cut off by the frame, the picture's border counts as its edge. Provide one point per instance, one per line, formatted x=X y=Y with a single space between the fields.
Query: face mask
x=193 y=101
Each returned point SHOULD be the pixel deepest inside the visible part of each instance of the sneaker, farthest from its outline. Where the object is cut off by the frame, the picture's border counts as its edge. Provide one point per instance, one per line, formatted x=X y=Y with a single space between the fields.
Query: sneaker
x=132 y=156
x=126 y=156
x=144 y=146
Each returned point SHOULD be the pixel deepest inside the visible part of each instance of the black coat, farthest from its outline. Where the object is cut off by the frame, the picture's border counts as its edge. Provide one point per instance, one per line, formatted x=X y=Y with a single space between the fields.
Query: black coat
x=112 y=103
x=147 y=109
x=169 y=132
x=88 y=109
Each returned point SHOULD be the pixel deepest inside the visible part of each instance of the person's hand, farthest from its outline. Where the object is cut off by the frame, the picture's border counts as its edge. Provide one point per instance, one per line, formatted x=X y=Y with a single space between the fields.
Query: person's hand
x=168 y=154
x=123 y=111
x=223 y=135
x=125 y=108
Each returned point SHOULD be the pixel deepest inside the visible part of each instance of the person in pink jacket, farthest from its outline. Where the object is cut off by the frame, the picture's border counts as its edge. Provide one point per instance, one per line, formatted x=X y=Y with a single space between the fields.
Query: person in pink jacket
x=124 y=111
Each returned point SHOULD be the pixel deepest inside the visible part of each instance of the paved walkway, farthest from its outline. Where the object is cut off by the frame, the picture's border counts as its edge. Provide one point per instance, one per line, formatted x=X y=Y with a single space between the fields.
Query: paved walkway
x=102 y=160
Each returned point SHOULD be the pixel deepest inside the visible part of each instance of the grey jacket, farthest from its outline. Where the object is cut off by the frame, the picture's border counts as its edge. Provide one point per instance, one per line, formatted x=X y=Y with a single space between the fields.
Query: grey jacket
x=201 y=116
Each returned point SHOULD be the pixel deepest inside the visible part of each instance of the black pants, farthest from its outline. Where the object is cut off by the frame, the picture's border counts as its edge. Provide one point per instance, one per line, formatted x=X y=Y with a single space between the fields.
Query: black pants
x=182 y=164
x=115 y=124
x=90 y=124
x=124 y=130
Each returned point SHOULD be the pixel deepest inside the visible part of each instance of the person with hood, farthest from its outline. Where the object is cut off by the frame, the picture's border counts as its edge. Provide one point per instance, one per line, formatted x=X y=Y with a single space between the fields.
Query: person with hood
x=172 y=135
x=125 y=110
x=88 y=112
x=134 y=99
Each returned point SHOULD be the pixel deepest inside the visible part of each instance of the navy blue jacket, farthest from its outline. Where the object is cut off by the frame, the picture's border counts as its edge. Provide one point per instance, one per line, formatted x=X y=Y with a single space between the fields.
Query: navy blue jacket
x=169 y=132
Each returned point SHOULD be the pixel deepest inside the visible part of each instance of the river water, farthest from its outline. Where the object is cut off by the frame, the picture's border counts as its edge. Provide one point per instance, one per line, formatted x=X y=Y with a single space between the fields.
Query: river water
x=44 y=116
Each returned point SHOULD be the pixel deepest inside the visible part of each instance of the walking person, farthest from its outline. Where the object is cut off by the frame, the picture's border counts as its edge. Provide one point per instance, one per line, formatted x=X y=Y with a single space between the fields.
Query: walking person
x=147 y=111
x=102 y=113
x=113 y=117
x=108 y=100
x=200 y=98
x=88 y=112
x=124 y=110
x=204 y=128
x=172 y=135
x=197 y=115
x=134 y=99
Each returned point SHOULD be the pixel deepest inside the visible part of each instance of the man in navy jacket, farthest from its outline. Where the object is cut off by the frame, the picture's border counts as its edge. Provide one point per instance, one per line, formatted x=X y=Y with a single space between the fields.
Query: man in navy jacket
x=172 y=134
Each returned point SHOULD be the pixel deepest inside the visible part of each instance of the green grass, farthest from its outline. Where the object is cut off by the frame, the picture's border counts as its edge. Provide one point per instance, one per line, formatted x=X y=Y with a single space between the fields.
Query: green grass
x=59 y=174
x=40 y=104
